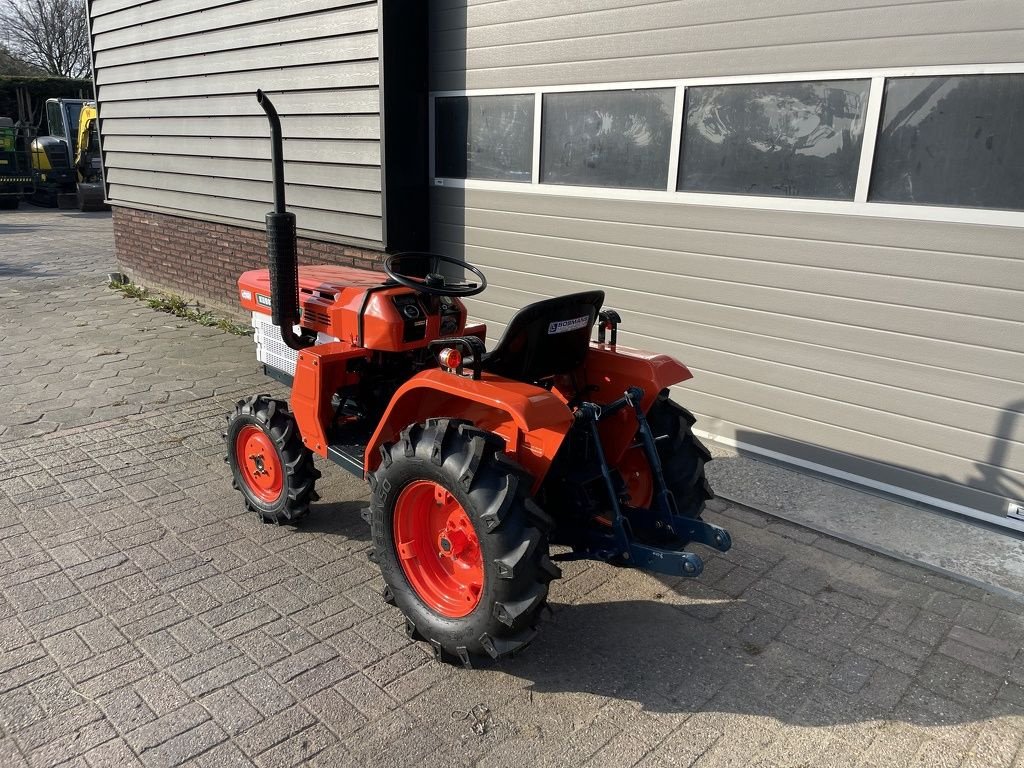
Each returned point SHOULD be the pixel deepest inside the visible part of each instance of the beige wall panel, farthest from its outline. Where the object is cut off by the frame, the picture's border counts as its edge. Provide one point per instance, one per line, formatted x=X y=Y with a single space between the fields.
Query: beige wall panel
x=360 y=228
x=334 y=152
x=300 y=196
x=338 y=102
x=355 y=74
x=181 y=128
x=116 y=14
x=365 y=177
x=264 y=20
x=187 y=63
x=298 y=127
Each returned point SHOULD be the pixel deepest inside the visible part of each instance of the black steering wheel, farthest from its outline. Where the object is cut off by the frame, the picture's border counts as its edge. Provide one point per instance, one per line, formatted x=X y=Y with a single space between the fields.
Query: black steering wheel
x=434 y=284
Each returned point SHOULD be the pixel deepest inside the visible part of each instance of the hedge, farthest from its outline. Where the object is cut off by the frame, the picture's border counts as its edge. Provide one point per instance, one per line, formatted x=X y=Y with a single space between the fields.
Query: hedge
x=39 y=90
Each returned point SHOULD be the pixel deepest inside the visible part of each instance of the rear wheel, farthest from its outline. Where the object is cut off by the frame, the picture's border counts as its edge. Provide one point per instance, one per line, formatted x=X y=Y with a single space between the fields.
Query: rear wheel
x=271 y=467
x=683 y=456
x=462 y=547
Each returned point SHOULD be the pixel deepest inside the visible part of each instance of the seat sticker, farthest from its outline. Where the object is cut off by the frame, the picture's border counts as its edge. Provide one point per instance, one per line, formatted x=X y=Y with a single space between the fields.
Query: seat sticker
x=563 y=326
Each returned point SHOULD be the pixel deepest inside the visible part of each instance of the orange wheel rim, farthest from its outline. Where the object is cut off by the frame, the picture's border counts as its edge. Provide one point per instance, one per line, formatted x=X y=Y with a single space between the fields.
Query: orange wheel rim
x=259 y=464
x=438 y=549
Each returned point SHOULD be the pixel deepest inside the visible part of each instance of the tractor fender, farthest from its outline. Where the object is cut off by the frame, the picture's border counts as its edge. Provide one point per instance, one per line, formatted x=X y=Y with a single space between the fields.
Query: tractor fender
x=610 y=370
x=613 y=368
x=532 y=421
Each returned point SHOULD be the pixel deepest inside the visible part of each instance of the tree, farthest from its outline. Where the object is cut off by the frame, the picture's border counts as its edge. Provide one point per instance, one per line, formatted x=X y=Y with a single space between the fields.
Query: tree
x=12 y=66
x=50 y=34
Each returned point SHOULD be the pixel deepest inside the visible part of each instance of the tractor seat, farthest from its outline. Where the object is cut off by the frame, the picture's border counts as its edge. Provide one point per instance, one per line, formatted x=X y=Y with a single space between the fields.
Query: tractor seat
x=547 y=338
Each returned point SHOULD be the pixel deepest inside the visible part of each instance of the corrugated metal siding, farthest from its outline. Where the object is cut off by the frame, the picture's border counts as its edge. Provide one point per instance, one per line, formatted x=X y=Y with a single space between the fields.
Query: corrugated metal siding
x=891 y=349
x=182 y=132
x=548 y=42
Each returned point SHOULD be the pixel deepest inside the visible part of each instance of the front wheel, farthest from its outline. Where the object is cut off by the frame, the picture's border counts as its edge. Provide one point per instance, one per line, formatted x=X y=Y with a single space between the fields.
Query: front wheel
x=271 y=467
x=462 y=547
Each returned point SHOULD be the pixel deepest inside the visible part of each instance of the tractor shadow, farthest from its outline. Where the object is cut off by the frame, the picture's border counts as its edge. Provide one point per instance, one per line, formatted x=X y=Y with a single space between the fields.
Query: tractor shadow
x=340 y=518
x=673 y=661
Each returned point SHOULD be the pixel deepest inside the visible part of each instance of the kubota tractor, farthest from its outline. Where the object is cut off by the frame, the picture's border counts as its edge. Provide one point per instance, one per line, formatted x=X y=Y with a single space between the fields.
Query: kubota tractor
x=477 y=460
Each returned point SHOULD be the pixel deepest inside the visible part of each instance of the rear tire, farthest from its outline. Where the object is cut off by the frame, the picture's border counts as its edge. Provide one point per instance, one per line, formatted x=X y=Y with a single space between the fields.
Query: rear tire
x=683 y=456
x=508 y=540
x=272 y=469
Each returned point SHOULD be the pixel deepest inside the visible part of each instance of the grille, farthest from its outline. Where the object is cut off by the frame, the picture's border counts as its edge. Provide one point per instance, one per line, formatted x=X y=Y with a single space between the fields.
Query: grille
x=316 y=317
x=269 y=347
x=270 y=350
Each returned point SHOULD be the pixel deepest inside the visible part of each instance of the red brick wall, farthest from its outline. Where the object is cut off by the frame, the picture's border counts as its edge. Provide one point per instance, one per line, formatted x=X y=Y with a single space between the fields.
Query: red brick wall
x=203 y=259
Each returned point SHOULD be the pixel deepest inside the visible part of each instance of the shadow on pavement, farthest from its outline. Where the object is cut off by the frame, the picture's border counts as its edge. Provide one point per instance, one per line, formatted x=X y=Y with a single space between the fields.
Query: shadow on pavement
x=669 y=661
x=337 y=518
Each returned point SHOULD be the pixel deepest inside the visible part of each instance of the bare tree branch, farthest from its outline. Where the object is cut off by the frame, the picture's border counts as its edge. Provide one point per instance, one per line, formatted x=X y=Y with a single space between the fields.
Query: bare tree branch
x=51 y=34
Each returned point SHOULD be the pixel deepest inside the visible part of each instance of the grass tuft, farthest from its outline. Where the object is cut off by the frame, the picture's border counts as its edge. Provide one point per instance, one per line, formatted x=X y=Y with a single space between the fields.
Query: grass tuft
x=178 y=306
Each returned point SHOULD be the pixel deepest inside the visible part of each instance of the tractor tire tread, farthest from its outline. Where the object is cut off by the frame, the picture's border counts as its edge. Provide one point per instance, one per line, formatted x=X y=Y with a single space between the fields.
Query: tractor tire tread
x=513 y=532
x=683 y=456
x=300 y=473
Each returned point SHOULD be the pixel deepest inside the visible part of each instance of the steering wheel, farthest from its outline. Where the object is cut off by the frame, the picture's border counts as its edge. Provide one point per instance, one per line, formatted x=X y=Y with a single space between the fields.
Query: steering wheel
x=434 y=284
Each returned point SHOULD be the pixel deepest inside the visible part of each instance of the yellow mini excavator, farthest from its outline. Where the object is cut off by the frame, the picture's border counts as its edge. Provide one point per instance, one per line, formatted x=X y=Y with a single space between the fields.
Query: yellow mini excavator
x=67 y=164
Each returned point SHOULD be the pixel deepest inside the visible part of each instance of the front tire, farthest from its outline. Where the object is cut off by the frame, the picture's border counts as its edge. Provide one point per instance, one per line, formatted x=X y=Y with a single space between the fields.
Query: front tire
x=462 y=547
x=271 y=467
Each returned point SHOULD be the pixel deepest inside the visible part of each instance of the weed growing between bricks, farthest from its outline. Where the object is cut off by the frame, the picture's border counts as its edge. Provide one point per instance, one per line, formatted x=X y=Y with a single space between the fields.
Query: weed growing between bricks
x=178 y=306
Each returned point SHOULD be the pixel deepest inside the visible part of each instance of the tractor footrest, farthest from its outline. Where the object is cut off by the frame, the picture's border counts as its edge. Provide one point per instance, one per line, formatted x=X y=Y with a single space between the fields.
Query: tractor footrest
x=348 y=446
x=348 y=456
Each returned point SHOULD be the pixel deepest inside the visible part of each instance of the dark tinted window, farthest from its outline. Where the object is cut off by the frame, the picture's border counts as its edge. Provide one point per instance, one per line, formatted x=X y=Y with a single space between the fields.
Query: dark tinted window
x=484 y=137
x=74 y=113
x=784 y=139
x=952 y=141
x=54 y=119
x=607 y=138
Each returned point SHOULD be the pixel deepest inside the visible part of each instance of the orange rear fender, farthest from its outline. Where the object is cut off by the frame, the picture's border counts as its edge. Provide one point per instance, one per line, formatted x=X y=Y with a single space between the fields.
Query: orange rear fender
x=532 y=421
x=609 y=371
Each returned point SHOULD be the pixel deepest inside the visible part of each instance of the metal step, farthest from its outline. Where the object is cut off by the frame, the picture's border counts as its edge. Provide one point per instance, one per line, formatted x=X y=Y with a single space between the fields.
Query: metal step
x=348 y=456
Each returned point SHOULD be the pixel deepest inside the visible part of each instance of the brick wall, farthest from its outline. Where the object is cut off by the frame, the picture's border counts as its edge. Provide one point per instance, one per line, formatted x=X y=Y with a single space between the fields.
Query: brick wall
x=202 y=259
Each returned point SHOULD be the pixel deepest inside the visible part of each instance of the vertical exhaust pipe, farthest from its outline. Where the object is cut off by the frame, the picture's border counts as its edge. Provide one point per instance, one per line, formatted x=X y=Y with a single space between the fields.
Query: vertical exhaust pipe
x=281 y=251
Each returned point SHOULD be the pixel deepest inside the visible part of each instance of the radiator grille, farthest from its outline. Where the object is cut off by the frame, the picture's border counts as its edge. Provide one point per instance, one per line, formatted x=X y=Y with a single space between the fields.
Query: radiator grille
x=269 y=347
x=270 y=350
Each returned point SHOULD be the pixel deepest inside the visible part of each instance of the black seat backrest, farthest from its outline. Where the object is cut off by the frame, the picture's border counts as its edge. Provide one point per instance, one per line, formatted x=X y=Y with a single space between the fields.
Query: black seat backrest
x=546 y=338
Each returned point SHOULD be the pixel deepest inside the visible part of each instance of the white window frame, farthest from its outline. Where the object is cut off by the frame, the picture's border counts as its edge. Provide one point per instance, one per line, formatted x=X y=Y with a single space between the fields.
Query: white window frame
x=859 y=206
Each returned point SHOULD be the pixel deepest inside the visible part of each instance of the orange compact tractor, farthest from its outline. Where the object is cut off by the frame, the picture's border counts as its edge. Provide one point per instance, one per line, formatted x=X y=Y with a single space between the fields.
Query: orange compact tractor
x=477 y=460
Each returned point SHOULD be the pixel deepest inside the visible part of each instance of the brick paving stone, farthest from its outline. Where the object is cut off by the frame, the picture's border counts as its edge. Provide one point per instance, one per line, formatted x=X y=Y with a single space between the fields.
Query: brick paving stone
x=336 y=712
x=299 y=748
x=183 y=747
x=274 y=730
x=146 y=620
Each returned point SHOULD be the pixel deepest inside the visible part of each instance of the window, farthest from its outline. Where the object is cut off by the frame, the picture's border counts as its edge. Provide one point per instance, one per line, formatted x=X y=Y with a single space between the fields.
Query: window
x=863 y=142
x=952 y=141
x=484 y=137
x=607 y=138
x=54 y=119
x=776 y=139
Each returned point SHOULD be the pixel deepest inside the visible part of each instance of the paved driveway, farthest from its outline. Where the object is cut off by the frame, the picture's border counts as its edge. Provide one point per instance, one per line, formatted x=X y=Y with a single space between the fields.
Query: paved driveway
x=144 y=618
